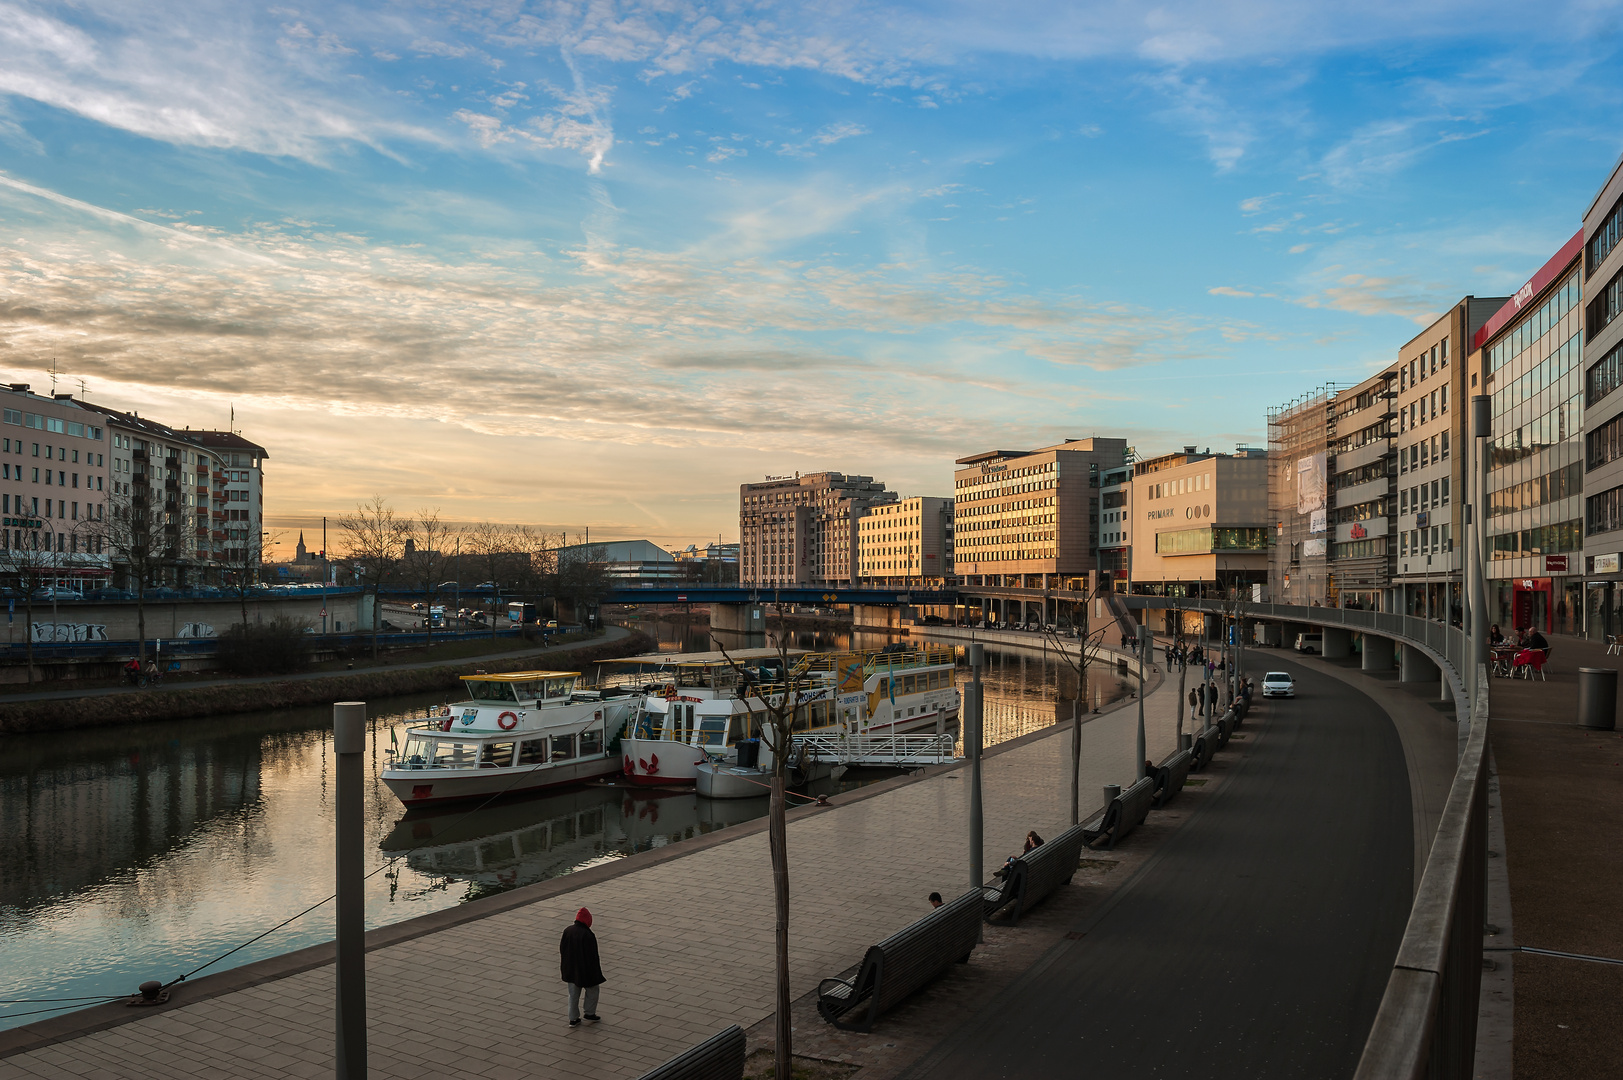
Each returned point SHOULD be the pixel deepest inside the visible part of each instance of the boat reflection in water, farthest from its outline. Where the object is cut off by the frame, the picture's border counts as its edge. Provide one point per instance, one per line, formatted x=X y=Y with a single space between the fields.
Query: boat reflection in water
x=520 y=841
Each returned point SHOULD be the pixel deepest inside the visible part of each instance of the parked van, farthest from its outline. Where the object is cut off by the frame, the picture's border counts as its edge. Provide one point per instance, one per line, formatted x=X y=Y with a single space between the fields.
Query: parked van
x=1310 y=643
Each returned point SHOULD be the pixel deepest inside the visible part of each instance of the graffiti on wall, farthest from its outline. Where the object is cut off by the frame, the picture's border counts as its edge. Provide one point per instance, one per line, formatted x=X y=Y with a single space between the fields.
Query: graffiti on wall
x=54 y=632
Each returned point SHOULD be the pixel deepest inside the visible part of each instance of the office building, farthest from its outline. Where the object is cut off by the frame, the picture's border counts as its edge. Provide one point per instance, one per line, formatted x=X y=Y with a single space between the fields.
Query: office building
x=1300 y=435
x=906 y=543
x=1199 y=523
x=1433 y=396
x=1031 y=518
x=1529 y=357
x=1115 y=523
x=802 y=530
x=1361 y=496
x=1602 y=287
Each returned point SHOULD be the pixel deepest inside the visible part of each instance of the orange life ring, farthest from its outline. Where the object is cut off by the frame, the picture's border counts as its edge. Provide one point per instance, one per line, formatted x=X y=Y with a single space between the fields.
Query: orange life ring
x=507 y=721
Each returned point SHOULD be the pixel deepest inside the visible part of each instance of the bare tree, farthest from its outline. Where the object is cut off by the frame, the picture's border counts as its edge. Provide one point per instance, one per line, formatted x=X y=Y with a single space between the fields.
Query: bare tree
x=137 y=536
x=499 y=552
x=582 y=575
x=1077 y=656
x=244 y=561
x=374 y=542
x=425 y=559
x=782 y=703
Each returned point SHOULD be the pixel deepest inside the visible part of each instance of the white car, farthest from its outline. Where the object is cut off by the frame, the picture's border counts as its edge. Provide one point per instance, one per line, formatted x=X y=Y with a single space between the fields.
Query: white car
x=1278 y=684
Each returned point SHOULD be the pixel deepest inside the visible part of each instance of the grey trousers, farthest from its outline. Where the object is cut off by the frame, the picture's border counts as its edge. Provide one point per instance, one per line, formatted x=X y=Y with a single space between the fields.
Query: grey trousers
x=574 y=1001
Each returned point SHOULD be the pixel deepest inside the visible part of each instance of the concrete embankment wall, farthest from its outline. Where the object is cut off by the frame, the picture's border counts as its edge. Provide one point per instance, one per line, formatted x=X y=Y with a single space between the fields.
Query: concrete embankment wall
x=179 y=619
x=258 y=695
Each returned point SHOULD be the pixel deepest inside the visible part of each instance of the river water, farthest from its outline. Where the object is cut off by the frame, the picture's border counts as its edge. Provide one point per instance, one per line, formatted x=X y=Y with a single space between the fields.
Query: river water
x=145 y=852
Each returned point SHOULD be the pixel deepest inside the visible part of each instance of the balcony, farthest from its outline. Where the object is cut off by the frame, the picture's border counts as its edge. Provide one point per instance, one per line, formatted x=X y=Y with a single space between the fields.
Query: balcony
x=139 y=454
x=217 y=534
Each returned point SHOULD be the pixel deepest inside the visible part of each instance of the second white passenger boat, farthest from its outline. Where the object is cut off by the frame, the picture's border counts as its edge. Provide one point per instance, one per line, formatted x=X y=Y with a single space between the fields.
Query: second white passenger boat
x=697 y=707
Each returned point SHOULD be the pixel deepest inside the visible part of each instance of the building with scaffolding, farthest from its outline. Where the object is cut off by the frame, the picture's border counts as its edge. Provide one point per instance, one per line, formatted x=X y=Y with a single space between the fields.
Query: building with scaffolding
x=1300 y=434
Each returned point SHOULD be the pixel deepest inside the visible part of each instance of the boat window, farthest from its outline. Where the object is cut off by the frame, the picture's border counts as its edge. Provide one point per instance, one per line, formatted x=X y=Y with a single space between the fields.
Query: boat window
x=910 y=684
x=532 y=752
x=527 y=691
x=418 y=751
x=802 y=719
x=498 y=754
x=490 y=691
x=735 y=728
x=559 y=687
x=711 y=732
x=563 y=746
x=455 y=754
x=649 y=725
x=591 y=743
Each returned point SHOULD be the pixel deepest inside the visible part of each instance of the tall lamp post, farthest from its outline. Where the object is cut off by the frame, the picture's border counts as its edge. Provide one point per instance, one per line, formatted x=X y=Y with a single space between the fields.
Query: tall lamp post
x=1476 y=534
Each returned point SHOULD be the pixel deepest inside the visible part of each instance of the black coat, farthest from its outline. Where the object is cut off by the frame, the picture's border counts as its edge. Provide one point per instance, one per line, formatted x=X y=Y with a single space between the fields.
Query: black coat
x=578 y=953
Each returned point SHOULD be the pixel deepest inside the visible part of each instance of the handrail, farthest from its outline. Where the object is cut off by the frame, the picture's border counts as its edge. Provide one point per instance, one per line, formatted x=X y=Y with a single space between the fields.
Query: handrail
x=1426 y=1024
x=1427 y=1020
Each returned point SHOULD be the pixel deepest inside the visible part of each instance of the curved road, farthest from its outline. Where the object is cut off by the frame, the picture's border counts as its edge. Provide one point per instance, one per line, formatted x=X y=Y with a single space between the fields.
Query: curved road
x=1256 y=942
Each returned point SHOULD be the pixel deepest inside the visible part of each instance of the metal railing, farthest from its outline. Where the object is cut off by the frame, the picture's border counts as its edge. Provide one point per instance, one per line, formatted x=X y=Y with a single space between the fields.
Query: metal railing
x=1426 y=1025
x=897 y=750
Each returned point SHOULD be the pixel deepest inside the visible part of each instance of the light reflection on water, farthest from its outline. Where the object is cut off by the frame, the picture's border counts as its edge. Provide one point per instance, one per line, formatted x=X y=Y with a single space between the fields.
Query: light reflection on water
x=142 y=852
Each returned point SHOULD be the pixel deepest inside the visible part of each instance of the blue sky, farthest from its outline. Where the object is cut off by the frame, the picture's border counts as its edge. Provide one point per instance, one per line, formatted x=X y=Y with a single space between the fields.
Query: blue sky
x=595 y=264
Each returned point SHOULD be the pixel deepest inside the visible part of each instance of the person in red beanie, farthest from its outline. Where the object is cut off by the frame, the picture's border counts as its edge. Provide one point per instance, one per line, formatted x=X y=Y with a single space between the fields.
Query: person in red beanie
x=580 y=967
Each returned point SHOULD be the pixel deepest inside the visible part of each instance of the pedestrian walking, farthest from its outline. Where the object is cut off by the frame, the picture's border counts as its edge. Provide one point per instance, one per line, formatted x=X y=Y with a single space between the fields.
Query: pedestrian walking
x=580 y=968
x=1194 y=703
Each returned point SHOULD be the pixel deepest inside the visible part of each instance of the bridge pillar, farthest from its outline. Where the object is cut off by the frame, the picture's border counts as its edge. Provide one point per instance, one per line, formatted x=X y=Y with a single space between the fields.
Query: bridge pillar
x=876 y=617
x=1337 y=643
x=1416 y=666
x=1377 y=653
x=747 y=618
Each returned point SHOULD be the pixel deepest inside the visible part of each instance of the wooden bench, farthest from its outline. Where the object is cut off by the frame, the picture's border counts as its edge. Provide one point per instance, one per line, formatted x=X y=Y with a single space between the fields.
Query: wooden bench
x=1173 y=772
x=720 y=1057
x=1036 y=874
x=1125 y=813
x=903 y=963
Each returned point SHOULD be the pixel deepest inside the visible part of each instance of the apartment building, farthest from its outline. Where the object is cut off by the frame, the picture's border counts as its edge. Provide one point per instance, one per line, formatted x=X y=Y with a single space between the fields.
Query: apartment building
x=1026 y=518
x=1602 y=275
x=1199 y=522
x=1432 y=489
x=53 y=468
x=235 y=502
x=1362 y=496
x=907 y=542
x=1529 y=357
x=802 y=530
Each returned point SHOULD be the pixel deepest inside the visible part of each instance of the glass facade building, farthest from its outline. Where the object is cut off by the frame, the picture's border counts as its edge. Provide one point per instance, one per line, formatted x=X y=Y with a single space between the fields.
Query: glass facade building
x=1531 y=359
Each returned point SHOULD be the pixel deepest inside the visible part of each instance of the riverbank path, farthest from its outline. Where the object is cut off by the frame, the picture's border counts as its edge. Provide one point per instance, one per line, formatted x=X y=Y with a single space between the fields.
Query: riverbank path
x=612 y=633
x=686 y=931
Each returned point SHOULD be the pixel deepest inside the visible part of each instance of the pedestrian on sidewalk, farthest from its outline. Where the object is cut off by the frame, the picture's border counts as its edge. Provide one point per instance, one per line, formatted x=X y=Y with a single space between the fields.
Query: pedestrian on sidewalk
x=580 y=967
x=1194 y=703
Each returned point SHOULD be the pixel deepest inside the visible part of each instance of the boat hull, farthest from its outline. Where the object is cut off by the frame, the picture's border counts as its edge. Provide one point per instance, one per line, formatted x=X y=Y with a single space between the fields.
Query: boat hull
x=423 y=787
x=732 y=782
x=660 y=762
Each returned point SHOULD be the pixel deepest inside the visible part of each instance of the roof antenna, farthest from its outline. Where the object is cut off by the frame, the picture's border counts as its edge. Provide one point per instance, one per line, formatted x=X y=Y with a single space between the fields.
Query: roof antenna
x=84 y=391
x=53 y=376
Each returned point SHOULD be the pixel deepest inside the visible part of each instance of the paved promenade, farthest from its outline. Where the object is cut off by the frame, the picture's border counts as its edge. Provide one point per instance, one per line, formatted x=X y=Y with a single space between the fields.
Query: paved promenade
x=686 y=937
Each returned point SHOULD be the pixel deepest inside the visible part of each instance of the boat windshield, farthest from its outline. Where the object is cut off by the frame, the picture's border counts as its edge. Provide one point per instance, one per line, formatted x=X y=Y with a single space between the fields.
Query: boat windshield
x=490 y=691
x=713 y=732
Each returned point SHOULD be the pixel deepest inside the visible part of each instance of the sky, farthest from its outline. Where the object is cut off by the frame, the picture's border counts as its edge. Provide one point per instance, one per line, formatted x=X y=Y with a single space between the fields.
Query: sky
x=591 y=265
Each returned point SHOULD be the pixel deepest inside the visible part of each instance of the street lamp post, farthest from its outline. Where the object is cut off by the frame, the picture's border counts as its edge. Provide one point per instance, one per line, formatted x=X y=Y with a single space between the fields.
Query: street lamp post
x=1476 y=535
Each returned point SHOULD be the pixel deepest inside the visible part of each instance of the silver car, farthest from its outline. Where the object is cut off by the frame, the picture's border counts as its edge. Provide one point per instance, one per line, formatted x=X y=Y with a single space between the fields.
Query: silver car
x=1278 y=684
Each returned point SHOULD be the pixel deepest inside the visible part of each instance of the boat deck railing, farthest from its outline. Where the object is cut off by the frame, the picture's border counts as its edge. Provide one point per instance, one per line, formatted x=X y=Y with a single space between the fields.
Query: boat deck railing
x=922 y=656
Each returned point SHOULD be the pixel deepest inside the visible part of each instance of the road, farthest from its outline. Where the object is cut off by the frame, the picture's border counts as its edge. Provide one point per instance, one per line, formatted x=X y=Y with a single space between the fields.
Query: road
x=1255 y=943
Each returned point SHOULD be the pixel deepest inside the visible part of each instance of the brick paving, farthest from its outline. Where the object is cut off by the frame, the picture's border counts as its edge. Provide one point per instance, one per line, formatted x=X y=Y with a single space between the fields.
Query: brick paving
x=686 y=942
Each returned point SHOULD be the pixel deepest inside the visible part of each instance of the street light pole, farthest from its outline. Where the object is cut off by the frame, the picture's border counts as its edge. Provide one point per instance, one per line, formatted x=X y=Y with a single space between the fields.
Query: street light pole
x=1476 y=527
x=1146 y=641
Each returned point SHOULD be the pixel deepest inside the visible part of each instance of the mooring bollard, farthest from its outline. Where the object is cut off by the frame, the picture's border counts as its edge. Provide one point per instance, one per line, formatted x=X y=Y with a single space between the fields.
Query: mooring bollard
x=349 y=743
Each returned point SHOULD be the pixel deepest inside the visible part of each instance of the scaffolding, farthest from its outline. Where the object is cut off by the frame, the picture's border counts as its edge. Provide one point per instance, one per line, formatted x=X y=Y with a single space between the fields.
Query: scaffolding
x=1298 y=429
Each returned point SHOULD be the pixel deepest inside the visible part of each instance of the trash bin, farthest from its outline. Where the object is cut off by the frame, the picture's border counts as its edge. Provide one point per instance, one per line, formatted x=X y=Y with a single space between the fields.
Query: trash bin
x=1597 y=698
x=1112 y=793
x=749 y=753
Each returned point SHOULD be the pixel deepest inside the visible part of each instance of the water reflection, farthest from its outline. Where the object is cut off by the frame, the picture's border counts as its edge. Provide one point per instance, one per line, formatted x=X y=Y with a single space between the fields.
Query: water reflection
x=145 y=851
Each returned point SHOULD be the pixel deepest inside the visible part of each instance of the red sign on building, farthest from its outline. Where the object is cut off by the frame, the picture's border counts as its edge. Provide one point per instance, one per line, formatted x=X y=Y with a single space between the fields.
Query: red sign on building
x=1555 y=564
x=1357 y=532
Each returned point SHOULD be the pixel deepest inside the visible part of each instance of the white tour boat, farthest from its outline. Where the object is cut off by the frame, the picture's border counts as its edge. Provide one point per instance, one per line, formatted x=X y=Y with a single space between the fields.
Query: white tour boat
x=515 y=732
x=697 y=707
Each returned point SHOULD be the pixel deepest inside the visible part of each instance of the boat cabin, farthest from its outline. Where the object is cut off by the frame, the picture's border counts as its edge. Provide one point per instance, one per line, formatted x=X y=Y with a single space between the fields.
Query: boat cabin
x=521 y=687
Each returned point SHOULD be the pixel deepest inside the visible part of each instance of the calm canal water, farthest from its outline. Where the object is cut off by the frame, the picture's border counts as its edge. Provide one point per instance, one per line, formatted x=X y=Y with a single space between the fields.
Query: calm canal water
x=143 y=852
